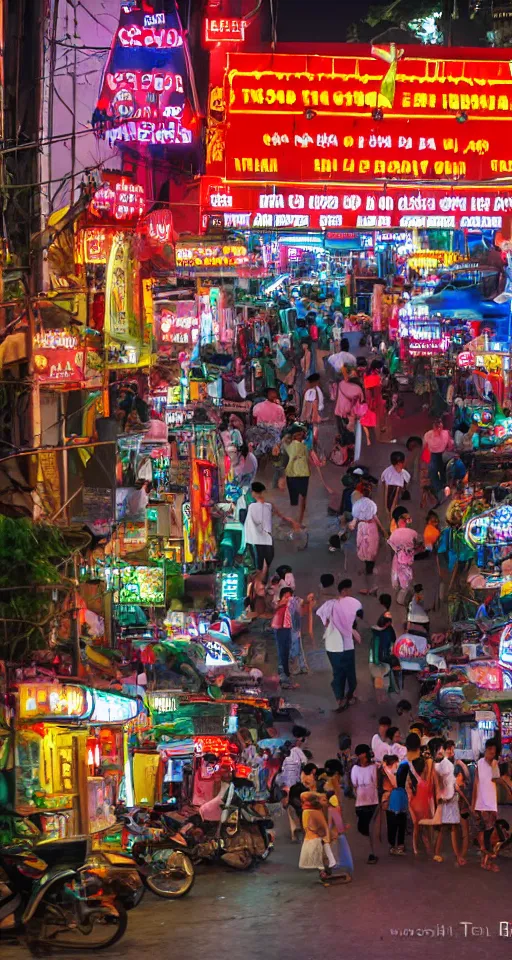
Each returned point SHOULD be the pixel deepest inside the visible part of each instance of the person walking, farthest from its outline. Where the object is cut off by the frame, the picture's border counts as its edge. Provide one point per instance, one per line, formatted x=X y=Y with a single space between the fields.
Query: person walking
x=485 y=800
x=316 y=853
x=395 y=479
x=258 y=528
x=437 y=441
x=297 y=471
x=402 y=543
x=364 y=780
x=365 y=519
x=284 y=623
x=396 y=814
x=338 y=617
x=269 y=412
x=348 y=398
x=447 y=814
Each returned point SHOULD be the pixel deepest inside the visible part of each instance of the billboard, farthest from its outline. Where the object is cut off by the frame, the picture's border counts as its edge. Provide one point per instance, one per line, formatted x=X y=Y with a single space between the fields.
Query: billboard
x=364 y=113
x=274 y=205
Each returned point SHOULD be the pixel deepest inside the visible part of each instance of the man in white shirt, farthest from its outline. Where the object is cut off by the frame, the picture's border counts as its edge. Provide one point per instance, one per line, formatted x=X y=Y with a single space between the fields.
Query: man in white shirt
x=380 y=742
x=338 y=618
x=395 y=479
x=258 y=528
x=343 y=358
x=485 y=800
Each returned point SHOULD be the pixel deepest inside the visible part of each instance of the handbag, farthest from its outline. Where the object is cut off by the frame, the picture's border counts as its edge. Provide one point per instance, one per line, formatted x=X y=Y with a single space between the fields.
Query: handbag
x=360 y=408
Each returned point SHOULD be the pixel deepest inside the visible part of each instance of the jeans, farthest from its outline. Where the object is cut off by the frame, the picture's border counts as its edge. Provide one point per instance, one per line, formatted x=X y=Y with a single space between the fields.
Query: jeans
x=283 y=638
x=396 y=823
x=297 y=651
x=343 y=666
x=437 y=472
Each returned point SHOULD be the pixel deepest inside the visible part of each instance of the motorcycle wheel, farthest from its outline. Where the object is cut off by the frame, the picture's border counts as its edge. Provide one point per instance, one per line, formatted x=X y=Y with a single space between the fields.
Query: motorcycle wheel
x=172 y=874
x=57 y=923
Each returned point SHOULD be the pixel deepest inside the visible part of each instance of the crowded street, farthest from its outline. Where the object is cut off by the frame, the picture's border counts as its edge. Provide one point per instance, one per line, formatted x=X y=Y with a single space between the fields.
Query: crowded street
x=255 y=479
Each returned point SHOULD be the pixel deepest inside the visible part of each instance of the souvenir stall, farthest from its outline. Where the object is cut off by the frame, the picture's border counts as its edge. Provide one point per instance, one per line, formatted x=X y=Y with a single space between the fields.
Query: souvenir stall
x=70 y=755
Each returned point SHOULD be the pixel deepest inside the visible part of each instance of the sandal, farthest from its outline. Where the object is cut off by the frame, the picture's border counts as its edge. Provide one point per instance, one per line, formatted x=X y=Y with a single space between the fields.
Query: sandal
x=437 y=858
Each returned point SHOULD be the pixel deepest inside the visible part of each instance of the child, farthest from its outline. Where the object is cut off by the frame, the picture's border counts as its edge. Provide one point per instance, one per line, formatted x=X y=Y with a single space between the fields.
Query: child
x=338 y=842
x=432 y=530
x=364 y=780
x=315 y=853
x=395 y=479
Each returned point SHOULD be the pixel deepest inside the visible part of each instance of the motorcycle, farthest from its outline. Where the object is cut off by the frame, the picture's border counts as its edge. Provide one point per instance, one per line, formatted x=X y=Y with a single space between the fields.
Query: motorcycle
x=45 y=901
x=159 y=854
x=240 y=837
x=123 y=880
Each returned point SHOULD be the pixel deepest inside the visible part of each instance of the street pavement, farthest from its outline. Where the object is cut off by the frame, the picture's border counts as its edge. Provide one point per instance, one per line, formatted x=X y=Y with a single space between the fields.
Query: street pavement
x=407 y=907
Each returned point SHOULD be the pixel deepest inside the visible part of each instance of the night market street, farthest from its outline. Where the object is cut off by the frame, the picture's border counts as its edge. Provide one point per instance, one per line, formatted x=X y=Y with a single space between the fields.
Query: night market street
x=276 y=910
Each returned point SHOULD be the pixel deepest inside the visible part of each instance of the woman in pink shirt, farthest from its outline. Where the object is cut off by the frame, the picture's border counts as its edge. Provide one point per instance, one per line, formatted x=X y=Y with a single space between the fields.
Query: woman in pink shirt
x=349 y=394
x=437 y=441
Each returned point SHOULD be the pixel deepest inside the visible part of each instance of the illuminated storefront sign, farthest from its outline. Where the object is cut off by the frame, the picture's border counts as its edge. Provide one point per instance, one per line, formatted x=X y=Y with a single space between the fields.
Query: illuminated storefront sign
x=302 y=118
x=163 y=702
x=375 y=207
x=466 y=359
x=178 y=323
x=94 y=244
x=143 y=98
x=122 y=200
x=58 y=357
x=112 y=708
x=429 y=346
x=226 y=30
x=52 y=701
x=210 y=255
x=121 y=293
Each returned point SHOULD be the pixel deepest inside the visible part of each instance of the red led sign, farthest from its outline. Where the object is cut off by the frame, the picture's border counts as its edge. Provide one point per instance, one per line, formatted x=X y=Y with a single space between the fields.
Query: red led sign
x=301 y=118
x=225 y=30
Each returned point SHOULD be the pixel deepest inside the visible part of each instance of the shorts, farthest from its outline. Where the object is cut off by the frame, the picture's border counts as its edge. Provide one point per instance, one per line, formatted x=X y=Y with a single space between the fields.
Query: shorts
x=486 y=820
x=365 y=816
x=297 y=486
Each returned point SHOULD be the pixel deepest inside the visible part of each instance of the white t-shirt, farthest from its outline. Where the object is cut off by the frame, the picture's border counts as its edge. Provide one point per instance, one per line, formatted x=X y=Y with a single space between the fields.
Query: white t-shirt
x=445 y=779
x=398 y=750
x=258 y=524
x=486 y=793
x=380 y=748
x=342 y=359
x=394 y=478
x=312 y=394
x=364 y=780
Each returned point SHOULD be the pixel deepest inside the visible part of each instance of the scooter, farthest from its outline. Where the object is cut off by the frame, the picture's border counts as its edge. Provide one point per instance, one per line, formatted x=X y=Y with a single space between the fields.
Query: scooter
x=45 y=901
x=242 y=835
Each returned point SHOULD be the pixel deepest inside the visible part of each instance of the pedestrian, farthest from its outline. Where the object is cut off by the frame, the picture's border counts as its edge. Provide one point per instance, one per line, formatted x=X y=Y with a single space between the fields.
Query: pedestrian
x=338 y=618
x=364 y=781
x=432 y=530
x=269 y=411
x=437 y=441
x=485 y=801
x=337 y=361
x=258 y=528
x=446 y=817
x=463 y=788
x=402 y=542
x=421 y=795
x=380 y=741
x=396 y=814
x=298 y=662
x=284 y=623
x=395 y=479
x=417 y=616
x=365 y=519
x=348 y=397
x=338 y=841
x=328 y=589
x=313 y=404
x=399 y=512
x=315 y=852
x=396 y=746
x=247 y=466
x=297 y=470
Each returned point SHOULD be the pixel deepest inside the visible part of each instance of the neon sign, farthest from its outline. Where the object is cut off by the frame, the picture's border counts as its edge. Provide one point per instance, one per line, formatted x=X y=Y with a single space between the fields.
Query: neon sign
x=143 y=97
x=123 y=200
x=299 y=117
x=375 y=207
x=45 y=701
x=227 y=30
x=466 y=359
x=210 y=255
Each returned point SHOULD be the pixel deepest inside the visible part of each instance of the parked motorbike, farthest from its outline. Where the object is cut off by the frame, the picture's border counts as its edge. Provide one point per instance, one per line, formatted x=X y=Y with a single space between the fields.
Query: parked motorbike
x=158 y=853
x=46 y=901
x=242 y=835
x=122 y=878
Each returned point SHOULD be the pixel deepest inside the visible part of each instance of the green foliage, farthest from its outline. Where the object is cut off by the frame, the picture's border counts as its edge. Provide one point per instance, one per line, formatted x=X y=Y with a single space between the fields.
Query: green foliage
x=30 y=554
